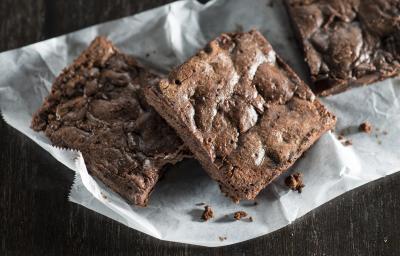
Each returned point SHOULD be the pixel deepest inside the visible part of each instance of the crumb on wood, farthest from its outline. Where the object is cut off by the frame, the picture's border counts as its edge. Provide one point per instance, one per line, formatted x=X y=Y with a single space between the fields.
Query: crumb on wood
x=365 y=127
x=208 y=213
x=295 y=182
x=239 y=215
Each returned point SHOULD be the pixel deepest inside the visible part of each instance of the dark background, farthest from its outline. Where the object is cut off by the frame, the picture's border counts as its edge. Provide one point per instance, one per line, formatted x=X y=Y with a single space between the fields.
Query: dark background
x=37 y=219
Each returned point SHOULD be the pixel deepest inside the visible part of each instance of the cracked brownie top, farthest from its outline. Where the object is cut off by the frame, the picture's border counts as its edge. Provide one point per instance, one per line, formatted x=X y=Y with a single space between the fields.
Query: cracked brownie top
x=242 y=111
x=97 y=106
x=348 y=42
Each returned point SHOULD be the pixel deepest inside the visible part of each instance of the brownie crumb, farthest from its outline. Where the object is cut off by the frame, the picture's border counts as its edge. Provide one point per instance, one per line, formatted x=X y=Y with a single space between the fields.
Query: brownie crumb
x=200 y=204
x=295 y=182
x=347 y=143
x=104 y=196
x=365 y=127
x=222 y=238
x=340 y=137
x=255 y=203
x=208 y=213
x=239 y=214
x=147 y=55
x=385 y=133
x=251 y=219
x=271 y=4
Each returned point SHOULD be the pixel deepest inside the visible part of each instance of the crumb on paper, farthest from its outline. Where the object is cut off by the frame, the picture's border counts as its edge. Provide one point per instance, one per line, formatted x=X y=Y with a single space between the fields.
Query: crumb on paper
x=208 y=213
x=200 y=204
x=239 y=215
x=379 y=142
x=347 y=143
x=343 y=140
x=385 y=133
x=295 y=182
x=251 y=219
x=270 y=3
x=104 y=196
x=365 y=127
x=222 y=238
x=255 y=203
x=147 y=55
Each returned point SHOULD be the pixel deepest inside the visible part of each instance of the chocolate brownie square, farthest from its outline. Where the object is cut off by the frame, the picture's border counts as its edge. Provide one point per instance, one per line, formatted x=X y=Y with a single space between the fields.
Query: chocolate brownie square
x=244 y=114
x=348 y=42
x=97 y=106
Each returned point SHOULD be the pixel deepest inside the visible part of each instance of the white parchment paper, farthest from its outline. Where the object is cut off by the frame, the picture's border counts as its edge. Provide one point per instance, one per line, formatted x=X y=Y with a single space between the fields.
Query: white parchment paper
x=163 y=38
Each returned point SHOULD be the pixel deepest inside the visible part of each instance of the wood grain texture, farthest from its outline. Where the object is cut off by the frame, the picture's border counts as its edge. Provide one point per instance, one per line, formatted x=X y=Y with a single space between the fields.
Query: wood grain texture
x=37 y=219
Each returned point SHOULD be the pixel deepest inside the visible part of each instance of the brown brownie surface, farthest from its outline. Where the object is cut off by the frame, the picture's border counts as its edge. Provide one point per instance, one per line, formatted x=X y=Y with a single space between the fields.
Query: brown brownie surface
x=348 y=42
x=97 y=106
x=242 y=111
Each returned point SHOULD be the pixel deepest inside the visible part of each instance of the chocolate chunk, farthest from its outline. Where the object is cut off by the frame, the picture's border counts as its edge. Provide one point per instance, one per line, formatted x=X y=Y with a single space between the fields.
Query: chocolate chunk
x=239 y=215
x=365 y=127
x=245 y=115
x=347 y=42
x=295 y=182
x=97 y=106
x=208 y=213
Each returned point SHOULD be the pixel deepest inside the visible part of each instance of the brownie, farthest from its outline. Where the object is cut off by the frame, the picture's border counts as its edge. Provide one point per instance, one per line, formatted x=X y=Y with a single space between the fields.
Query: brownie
x=348 y=42
x=97 y=106
x=244 y=114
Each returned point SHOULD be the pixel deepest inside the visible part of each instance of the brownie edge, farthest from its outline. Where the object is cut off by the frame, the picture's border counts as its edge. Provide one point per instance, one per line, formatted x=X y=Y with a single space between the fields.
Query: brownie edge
x=244 y=114
x=97 y=106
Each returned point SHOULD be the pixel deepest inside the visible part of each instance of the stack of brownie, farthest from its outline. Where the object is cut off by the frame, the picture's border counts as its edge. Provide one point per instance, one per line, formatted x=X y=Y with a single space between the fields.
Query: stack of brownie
x=235 y=106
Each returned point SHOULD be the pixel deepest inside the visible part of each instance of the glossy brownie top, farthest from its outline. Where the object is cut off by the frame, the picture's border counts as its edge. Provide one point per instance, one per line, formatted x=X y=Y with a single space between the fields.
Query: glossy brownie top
x=348 y=42
x=242 y=111
x=97 y=106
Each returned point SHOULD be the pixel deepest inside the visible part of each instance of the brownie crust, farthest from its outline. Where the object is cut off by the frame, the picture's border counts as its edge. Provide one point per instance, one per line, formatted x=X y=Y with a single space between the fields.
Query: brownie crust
x=347 y=43
x=97 y=106
x=244 y=114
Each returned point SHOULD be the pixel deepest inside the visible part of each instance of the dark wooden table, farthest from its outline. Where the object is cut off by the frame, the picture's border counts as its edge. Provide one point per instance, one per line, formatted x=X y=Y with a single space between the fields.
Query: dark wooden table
x=37 y=219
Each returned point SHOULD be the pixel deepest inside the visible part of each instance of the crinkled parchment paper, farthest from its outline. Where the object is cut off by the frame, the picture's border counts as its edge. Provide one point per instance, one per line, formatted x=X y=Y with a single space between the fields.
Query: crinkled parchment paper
x=163 y=38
